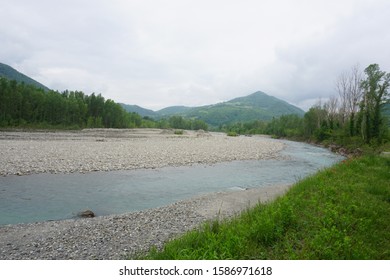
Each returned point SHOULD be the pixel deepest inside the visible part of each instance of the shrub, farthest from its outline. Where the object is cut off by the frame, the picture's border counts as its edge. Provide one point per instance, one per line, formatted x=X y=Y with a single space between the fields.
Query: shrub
x=232 y=134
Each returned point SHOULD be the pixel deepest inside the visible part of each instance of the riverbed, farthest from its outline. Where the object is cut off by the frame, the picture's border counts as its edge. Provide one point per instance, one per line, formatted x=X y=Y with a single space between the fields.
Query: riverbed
x=137 y=207
x=42 y=197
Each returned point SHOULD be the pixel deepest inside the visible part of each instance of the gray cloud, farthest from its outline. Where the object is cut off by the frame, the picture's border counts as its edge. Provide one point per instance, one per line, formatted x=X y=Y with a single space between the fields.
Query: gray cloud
x=161 y=53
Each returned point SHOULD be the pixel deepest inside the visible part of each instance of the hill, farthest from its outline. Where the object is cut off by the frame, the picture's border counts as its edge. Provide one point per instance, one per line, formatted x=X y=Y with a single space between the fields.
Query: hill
x=173 y=110
x=10 y=73
x=139 y=110
x=256 y=106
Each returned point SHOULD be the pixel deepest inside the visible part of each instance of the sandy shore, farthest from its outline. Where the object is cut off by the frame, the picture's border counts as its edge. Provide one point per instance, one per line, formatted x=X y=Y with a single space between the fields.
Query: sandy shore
x=118 y=236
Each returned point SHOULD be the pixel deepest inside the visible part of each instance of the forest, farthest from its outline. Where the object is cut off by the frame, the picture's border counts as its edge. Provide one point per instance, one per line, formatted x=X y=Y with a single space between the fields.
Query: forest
x=28 y=106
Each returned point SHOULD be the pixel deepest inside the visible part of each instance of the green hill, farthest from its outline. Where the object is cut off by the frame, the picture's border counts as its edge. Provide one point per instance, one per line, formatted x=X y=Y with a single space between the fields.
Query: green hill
x=11 y=74
x=139 y=110
x=257 y=106
x=174 y=110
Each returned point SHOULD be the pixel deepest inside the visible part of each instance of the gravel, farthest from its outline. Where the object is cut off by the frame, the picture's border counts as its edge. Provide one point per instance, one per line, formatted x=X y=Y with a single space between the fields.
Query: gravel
x=90 y=150
x=121 y=236
x=127 y=235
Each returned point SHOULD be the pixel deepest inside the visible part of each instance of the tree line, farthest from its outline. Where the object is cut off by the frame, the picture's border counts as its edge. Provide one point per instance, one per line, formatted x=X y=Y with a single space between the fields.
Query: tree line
x=358 y=113
x=23 y=105
x=26 y=105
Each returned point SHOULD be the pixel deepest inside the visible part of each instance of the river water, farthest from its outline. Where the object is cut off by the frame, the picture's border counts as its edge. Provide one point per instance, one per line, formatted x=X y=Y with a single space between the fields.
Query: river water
x=41 y=197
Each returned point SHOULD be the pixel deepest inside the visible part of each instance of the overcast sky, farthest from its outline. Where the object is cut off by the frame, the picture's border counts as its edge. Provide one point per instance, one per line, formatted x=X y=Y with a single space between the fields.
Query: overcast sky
x=194 y=52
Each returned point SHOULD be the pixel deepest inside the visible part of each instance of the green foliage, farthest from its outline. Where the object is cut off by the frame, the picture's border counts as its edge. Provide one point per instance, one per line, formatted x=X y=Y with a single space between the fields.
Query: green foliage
x=375 y=87
x=257 y=106
x=247 y=109
x=290 y=126
x=254 y=127
x=340 y=213
x=24 y=105
x=232 y=134
x=179 y=132
x=191 y=124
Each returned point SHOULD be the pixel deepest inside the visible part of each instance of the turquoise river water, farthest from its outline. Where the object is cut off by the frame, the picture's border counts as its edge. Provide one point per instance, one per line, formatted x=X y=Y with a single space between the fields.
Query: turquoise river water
x=41 y=197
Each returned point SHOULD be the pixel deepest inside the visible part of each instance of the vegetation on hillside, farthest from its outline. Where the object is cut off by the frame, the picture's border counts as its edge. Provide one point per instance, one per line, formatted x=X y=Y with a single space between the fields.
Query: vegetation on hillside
x=257 y=106
x=9 y=73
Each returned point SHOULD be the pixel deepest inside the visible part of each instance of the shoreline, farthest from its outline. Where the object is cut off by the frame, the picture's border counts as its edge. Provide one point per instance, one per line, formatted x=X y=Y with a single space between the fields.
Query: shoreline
x=24 y=153
x=125 y=235
x=118 y=236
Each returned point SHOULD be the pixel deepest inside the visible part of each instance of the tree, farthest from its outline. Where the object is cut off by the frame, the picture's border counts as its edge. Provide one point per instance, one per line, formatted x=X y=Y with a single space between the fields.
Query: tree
x=331 y=108
x=349 y=88
x=314 y=119
x=177 y=122
x=375 y=87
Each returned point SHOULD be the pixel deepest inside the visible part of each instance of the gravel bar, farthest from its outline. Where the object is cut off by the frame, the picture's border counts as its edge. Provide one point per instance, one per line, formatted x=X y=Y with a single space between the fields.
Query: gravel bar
x=121 y=236
x=23 y=153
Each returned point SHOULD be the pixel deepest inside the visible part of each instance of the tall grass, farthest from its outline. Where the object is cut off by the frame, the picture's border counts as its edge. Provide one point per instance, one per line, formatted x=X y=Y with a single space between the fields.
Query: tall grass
x=342 y=212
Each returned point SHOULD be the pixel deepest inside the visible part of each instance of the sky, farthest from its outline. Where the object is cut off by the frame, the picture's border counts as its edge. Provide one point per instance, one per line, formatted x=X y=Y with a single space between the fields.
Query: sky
x=194 y=52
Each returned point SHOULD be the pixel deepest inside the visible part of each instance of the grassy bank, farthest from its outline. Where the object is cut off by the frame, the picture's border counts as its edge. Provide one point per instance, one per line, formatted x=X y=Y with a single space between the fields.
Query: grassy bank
x=342 y=212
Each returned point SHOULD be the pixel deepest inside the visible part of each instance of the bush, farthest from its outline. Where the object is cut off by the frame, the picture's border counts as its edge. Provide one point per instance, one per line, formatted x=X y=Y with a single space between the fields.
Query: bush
x=232 y=134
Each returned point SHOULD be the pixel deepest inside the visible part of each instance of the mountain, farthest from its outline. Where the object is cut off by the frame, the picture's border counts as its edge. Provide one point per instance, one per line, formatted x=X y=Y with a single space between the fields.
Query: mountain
x=173 y=110
x=257 y=106
x=10 y=73
x=139 y=110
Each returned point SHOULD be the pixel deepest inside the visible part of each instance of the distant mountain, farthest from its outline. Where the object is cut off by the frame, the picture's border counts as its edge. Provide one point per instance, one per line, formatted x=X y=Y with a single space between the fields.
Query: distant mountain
x=139 y=110
x=257 y=106
x=174 y=110
x=10 y=73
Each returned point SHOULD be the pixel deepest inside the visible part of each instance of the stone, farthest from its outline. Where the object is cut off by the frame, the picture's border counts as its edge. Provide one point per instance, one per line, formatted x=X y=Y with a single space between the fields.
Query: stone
x=86 y=214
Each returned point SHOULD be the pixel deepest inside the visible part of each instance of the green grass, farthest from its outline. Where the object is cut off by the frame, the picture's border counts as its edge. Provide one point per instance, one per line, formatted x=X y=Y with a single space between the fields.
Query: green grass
x=342 y=212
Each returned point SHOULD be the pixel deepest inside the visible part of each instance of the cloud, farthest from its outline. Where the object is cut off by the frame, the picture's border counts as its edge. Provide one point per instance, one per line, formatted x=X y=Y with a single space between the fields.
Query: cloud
x=161 y=53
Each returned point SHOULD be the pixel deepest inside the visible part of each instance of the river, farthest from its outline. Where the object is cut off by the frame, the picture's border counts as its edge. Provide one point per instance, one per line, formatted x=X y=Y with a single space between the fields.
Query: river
x=41 y=197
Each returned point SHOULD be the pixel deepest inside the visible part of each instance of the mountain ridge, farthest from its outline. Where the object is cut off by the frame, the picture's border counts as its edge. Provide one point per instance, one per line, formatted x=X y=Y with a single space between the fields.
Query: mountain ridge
x=10 y=73
x=255 y=106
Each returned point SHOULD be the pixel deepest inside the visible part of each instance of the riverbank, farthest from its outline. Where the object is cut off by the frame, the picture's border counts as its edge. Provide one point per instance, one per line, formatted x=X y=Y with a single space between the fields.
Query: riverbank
x=116 y=236
x=339 y=213
x=121 y=236
x=89 y=150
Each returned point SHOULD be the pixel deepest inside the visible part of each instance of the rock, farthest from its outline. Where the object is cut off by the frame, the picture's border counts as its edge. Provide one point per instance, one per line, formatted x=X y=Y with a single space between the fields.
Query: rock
x=86 y=214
